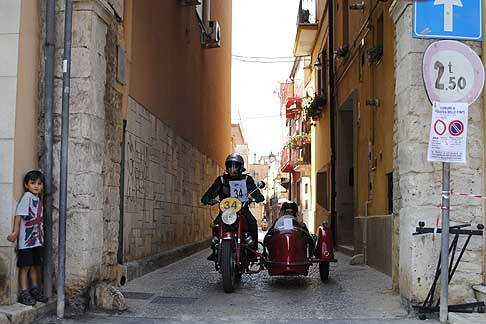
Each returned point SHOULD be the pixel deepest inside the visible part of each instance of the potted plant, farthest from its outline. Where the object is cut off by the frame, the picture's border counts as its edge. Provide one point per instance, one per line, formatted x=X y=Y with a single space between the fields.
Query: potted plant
x=298 y=161
x=342 y=51
x=315 y=107
x=375 y=54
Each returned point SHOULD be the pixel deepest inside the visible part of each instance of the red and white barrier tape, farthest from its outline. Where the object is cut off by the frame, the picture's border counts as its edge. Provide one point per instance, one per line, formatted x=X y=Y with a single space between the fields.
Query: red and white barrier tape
x=467 y=195
x=444 y=195
x=435 y=228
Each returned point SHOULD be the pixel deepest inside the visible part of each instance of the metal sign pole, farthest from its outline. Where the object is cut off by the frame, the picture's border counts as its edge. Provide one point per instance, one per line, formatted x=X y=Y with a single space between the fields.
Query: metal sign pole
x=66 y=69
x=444 y=261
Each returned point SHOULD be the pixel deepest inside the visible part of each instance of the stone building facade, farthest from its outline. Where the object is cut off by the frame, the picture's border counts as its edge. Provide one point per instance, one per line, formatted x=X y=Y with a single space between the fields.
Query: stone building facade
x=136 y=171
x=164 y=176
x=417 y=182
x=375 y=125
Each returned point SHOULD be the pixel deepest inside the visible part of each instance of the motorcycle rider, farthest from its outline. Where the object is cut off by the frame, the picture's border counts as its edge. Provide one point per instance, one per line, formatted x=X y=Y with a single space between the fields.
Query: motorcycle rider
x=235 y=183
x=291 y=208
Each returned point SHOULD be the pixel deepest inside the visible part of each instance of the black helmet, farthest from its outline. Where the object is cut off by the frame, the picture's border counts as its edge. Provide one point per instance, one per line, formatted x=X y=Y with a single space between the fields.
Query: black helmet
x=289 y=208
x=235 y=160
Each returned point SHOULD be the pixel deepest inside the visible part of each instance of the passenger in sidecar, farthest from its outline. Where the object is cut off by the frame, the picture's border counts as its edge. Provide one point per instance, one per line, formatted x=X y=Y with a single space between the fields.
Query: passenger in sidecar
x=290 y=210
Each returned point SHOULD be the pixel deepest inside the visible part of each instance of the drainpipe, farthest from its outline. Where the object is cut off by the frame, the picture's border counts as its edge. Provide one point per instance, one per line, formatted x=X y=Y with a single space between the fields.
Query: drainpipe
x=48 y=141
x=66 y=75
x=330 y=9
x=483 y=58
x=290 y=185
x=206 y=14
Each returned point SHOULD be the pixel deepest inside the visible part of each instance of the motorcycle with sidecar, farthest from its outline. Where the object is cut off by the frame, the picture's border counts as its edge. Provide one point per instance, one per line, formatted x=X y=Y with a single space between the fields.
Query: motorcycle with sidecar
x=287 y=252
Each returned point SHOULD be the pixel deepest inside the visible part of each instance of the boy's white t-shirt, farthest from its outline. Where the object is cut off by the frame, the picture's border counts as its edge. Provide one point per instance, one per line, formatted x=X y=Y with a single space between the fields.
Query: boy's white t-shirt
x=31 y=233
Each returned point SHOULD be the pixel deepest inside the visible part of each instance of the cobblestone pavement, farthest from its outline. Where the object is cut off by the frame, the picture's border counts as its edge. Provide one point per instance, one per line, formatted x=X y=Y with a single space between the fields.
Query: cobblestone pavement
x=190 y=291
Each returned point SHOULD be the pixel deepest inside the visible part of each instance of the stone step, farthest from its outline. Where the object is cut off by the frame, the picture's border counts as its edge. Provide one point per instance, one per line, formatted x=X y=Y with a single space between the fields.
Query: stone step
x=467 y=318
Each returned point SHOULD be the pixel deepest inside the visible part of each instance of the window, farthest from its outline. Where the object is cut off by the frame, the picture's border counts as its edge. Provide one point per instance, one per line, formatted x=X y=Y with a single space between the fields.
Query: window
x=323 y=77
x=306 y=206
x=379 y=31
x=322 y=195
x=298 y=193
x=306 y=188
x=389 y=178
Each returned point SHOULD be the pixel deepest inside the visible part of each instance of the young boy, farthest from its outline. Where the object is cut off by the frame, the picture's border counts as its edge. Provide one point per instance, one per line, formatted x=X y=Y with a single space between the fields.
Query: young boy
x=29 y=229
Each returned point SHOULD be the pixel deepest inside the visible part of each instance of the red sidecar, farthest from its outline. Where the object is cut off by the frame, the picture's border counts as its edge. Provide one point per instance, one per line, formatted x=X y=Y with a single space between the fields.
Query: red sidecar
x=291 y=250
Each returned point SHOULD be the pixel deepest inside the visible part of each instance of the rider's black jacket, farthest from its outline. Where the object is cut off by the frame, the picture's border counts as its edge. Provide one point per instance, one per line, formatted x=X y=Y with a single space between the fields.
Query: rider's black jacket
x=221 y=188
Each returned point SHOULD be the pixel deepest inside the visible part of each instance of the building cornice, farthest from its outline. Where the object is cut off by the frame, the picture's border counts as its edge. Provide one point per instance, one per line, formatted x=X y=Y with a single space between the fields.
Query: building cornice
x=101 y=7
x=397 y=8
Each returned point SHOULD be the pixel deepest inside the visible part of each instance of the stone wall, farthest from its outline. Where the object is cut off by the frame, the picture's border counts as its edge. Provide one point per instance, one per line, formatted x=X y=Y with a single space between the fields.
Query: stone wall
x=165 y=177
x=94 y=145
x=419 y=181
x=112 y=155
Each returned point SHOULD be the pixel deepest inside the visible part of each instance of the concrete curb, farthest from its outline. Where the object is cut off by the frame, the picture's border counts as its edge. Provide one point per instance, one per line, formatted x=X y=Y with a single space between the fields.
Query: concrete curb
x=19 y=313
x=138 y=268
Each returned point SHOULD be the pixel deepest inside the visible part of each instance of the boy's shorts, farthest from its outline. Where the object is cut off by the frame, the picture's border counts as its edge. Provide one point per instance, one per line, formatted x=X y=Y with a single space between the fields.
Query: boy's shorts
x=30 y=257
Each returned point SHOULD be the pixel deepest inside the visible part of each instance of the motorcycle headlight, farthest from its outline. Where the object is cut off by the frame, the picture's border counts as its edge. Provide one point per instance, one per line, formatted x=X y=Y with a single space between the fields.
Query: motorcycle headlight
x=229 y=216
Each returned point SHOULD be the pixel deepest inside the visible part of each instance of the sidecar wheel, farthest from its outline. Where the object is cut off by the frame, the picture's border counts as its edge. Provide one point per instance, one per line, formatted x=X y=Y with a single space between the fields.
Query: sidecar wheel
x=228 y=266
x=324 y=270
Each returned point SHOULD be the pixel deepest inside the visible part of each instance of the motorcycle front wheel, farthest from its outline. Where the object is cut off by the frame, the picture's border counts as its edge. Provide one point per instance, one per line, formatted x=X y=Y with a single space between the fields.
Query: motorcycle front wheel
x=228 y=265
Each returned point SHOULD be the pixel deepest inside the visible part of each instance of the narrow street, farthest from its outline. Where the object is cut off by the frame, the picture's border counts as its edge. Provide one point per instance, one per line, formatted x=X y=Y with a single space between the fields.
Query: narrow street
x=190 y=291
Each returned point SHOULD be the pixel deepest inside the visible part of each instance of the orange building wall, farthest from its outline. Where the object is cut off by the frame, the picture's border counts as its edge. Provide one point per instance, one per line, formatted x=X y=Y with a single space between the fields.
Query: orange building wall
x=175 y=78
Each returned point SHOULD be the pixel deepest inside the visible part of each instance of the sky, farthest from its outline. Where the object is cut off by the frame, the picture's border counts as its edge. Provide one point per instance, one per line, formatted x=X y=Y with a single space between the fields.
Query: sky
x=263 y=30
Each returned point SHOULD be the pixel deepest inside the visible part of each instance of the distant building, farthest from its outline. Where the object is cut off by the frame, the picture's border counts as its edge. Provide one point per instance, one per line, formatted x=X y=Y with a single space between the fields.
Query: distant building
x=238 y=143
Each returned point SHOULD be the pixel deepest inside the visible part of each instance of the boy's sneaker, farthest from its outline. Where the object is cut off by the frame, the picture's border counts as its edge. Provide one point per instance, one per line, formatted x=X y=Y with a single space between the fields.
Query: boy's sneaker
x=26 y=299
x=212 y=257
x=38 y=295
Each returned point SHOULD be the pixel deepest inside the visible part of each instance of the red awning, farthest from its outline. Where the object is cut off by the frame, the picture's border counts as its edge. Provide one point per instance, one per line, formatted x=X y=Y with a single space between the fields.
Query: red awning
x=292 y=101
x=287 y=167
x=291 y=106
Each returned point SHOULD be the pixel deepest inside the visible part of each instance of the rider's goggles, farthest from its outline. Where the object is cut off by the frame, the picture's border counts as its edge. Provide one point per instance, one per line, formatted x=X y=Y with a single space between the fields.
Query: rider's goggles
x=233 y=165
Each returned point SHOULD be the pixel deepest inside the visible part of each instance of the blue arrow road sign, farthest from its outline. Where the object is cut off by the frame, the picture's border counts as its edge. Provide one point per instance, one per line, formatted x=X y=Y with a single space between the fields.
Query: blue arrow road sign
x=448 y=19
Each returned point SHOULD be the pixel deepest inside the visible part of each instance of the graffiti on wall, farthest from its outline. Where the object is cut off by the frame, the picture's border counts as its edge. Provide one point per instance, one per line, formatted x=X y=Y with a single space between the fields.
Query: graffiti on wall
x=136 y=167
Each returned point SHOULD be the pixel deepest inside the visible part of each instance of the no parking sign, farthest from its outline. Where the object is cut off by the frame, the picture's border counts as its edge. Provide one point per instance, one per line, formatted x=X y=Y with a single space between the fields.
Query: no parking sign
x=448 y=132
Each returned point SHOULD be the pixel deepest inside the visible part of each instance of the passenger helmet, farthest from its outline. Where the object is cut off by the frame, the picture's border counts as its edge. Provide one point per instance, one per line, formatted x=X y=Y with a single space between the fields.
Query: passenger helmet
x=289 y=208
x=234 y=161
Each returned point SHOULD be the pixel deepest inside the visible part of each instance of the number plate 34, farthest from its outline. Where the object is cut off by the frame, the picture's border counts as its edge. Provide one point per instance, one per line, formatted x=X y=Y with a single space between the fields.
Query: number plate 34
x=230 y=203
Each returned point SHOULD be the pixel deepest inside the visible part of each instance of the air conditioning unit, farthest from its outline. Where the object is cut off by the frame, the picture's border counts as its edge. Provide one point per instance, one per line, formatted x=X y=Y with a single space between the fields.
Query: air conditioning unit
x=212 y=38
x=189 y=2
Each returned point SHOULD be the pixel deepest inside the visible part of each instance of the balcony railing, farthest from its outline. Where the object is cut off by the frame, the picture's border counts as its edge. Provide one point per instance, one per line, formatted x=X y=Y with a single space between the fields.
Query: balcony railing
x=307 y=12
x=295 y=156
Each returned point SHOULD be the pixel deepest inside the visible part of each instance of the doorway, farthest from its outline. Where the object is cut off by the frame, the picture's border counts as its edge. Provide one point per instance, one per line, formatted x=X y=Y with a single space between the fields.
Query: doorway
x=345 y=177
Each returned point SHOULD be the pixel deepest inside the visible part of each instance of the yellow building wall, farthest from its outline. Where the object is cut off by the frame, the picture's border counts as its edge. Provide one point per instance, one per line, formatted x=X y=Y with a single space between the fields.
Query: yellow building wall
x=178 y=80
x=321 y=161
x=320 y=132
x=27 y=111
x=374 y=142
x=383 y=118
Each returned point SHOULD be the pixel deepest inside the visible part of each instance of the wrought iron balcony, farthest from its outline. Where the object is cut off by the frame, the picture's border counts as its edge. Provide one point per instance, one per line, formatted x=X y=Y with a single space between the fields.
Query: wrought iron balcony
x=307 y=12
x=306 y=28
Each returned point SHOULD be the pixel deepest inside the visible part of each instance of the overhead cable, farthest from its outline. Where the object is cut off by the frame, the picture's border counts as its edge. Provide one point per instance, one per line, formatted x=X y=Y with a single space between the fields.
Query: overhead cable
x=257 y=61
x=263 y=57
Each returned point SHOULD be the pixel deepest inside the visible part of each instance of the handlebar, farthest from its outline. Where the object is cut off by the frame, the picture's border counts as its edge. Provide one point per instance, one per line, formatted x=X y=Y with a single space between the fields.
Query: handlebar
x=213 y=202
x=260 y=185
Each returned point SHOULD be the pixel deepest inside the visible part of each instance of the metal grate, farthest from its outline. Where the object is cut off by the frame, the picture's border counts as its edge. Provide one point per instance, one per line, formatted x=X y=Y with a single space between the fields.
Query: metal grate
x=137 y=295
x=173 y=300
